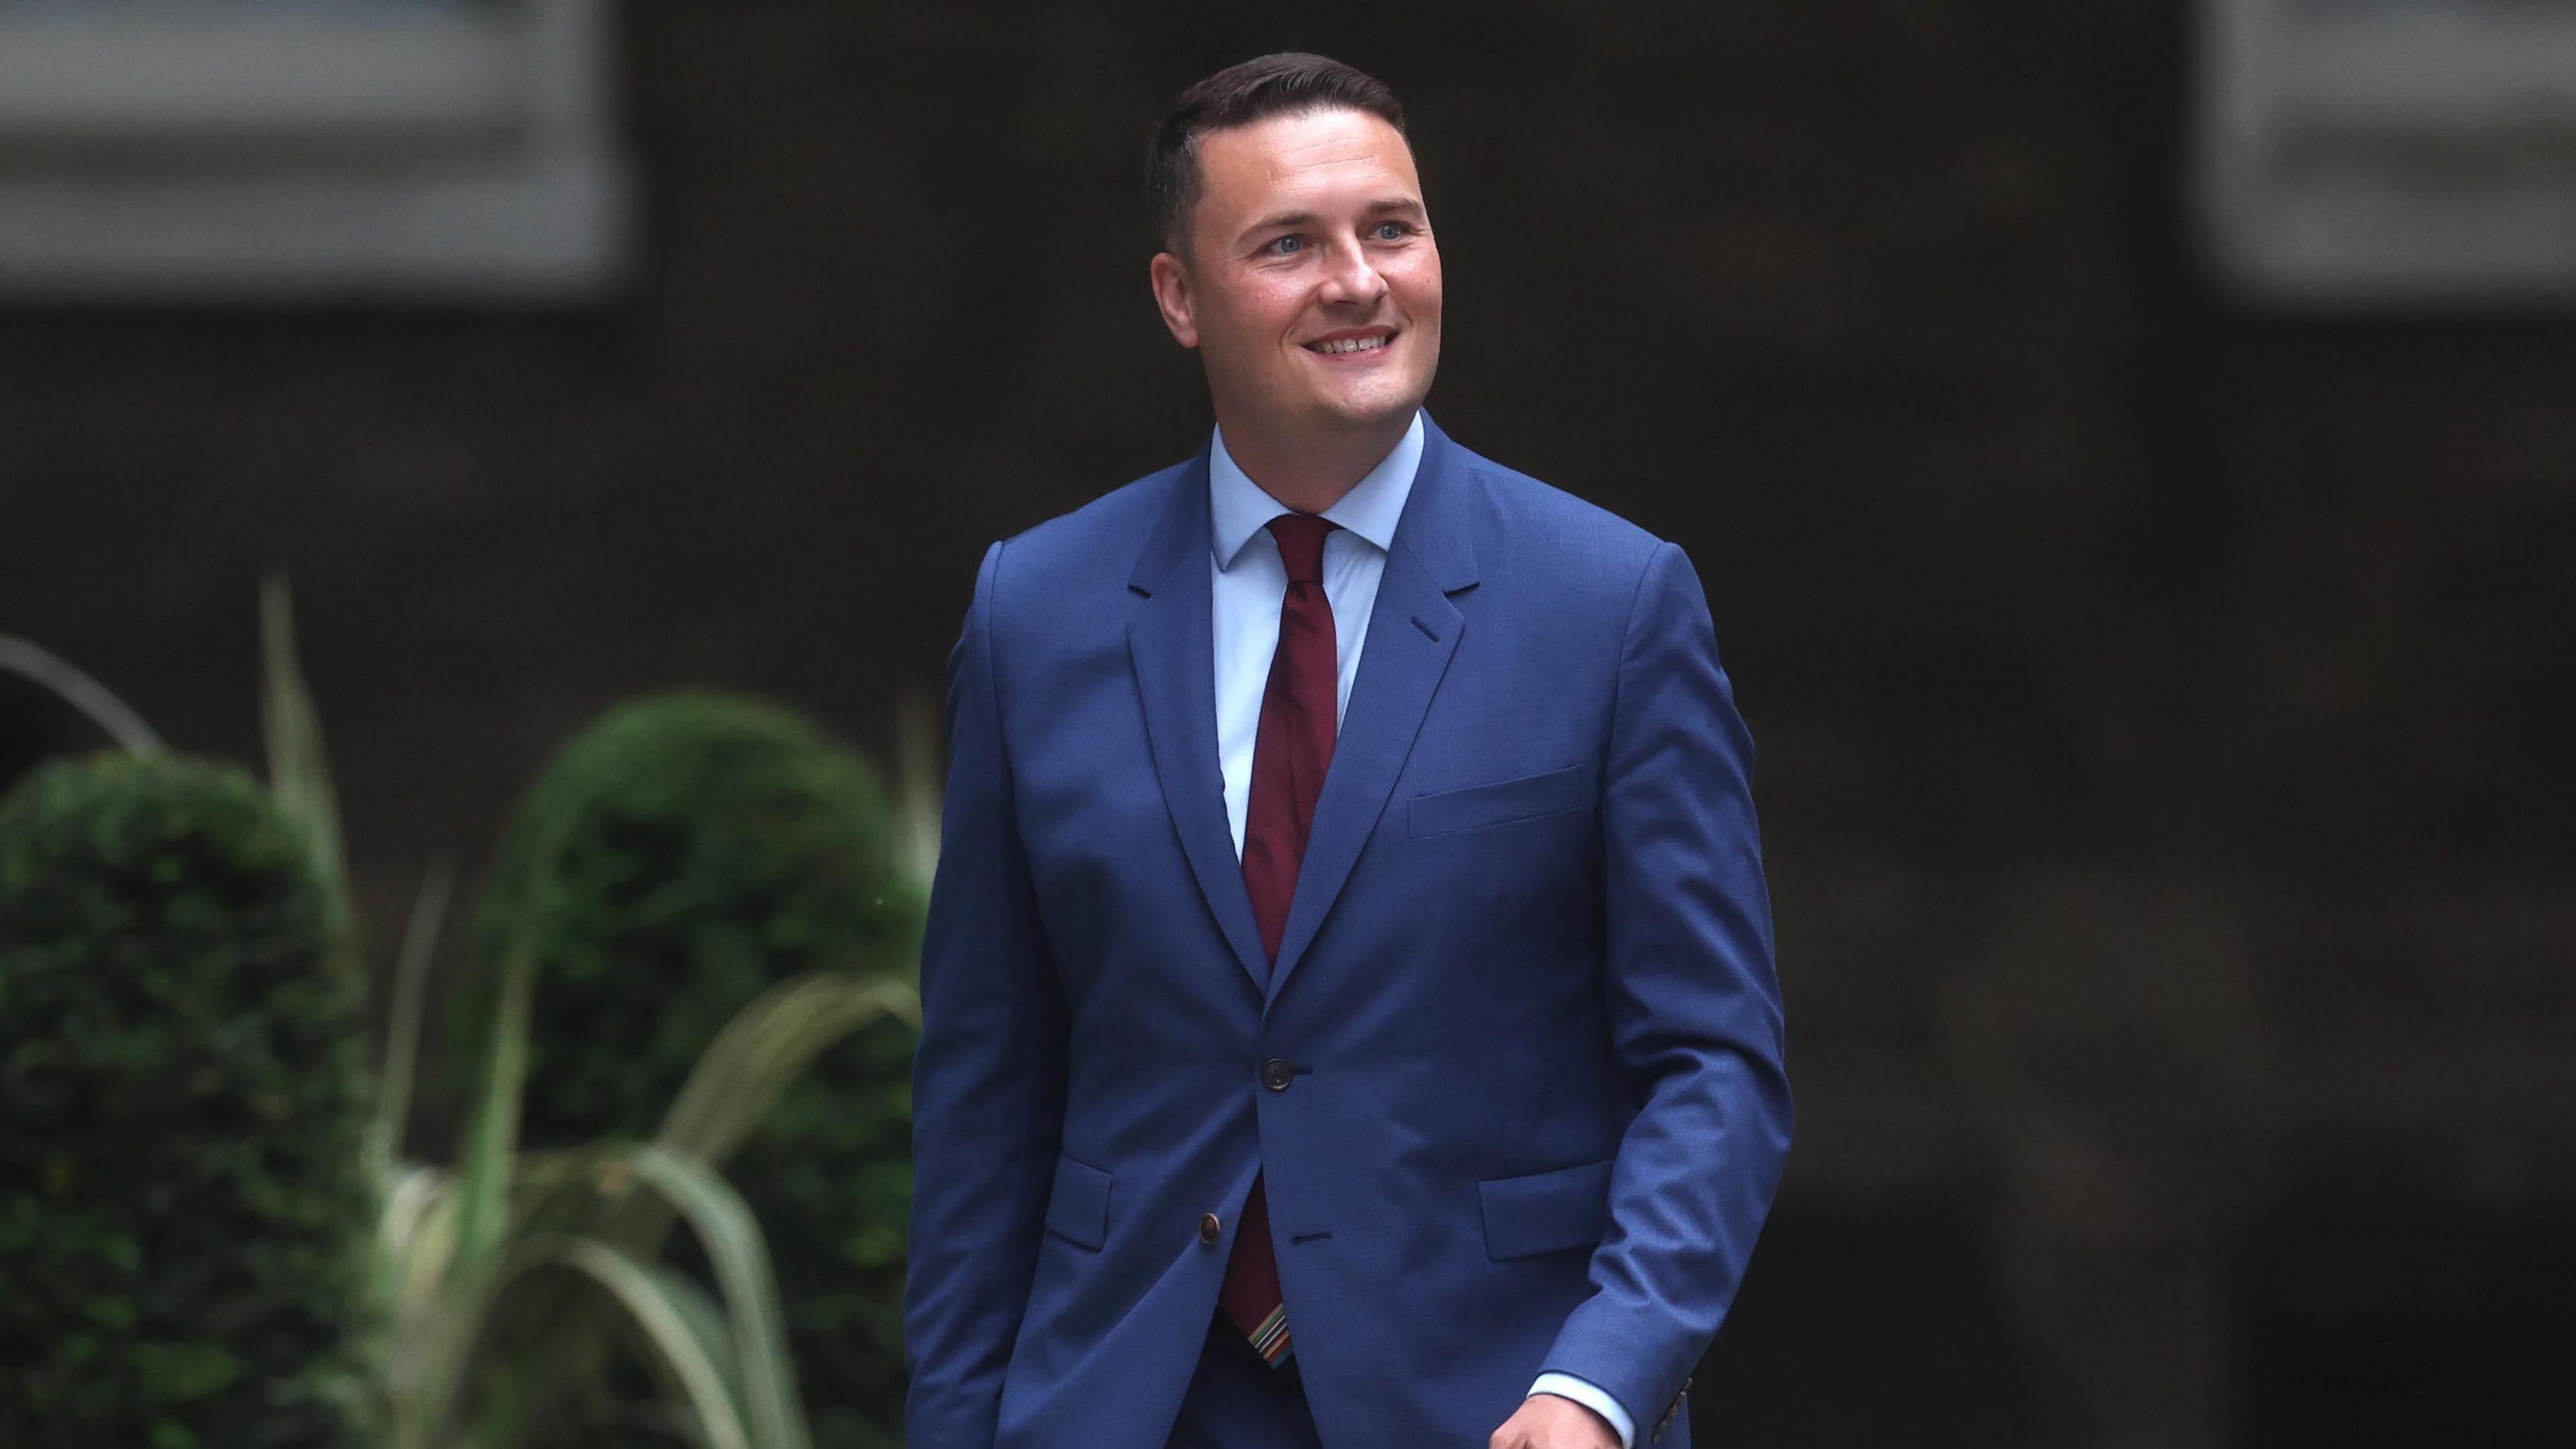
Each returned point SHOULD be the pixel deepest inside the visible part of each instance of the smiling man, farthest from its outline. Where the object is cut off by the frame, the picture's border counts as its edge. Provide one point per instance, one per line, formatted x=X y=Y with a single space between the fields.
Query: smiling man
x=1348 y=1008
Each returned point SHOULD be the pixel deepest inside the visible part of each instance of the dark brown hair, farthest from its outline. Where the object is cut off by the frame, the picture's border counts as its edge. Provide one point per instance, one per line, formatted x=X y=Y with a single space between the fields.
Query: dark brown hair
x=1288 y=83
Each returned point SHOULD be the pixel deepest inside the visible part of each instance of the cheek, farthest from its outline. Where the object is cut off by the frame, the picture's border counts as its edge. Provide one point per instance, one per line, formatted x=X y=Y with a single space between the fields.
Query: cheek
x=1418 y=287
x=1276 y=311
x=1257 y=317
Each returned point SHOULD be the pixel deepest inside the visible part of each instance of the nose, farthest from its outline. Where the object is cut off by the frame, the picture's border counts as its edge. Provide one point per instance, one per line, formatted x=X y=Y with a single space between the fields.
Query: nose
x=1348 y=277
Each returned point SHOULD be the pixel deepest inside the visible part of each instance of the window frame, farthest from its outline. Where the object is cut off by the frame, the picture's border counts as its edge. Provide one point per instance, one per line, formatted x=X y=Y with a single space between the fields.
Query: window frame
x=2315 y=126
x=427 y=150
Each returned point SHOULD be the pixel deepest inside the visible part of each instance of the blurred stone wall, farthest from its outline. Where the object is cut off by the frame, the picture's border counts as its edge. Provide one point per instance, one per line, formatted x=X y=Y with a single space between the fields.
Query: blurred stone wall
x=2163 y=701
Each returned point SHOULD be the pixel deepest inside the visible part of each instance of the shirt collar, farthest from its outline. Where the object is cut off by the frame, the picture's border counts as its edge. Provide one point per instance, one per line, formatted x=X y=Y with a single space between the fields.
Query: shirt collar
x=1238 y=509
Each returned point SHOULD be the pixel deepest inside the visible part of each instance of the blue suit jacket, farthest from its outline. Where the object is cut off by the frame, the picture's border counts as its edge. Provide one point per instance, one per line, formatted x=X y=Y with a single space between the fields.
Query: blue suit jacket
x=1538 y=1106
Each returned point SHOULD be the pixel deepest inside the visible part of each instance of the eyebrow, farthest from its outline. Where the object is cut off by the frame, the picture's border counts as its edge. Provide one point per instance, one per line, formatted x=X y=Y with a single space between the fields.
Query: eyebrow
x=1300 y=218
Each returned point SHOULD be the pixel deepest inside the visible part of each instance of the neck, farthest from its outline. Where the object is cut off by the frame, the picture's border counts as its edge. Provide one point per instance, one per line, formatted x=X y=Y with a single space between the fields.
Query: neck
x=1310 y=473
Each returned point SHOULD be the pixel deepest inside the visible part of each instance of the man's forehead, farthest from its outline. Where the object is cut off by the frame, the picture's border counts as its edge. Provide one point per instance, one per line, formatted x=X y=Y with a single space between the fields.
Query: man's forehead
x=1323 y=162
x=1337 y=146
x=1318 y=148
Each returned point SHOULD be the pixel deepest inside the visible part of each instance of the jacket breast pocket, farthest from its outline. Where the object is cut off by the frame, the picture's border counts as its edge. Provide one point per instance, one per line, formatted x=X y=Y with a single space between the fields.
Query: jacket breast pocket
x=1547 y=1211
x=1078 y=1209
x=1555 y=792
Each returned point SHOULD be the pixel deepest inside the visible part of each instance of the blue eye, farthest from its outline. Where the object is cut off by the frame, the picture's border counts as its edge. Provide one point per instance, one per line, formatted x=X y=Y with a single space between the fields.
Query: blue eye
x=1401 y=229
x=1277 y=242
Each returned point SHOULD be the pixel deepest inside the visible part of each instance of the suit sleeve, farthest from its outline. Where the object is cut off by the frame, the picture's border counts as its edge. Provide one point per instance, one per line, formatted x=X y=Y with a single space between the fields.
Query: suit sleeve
x=988 y=1082
x=1694 y=1005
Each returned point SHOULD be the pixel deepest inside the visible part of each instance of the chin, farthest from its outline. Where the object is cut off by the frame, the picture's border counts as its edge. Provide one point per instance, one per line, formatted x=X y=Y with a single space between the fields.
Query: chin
x=1363 y=411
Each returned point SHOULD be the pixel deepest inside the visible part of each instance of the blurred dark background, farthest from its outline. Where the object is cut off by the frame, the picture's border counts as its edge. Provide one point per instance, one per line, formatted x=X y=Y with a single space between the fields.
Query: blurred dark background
x=2163 y=691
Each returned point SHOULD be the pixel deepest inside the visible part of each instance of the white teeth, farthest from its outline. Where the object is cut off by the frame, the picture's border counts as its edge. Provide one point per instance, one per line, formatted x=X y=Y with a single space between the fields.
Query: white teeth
x=1362 y=344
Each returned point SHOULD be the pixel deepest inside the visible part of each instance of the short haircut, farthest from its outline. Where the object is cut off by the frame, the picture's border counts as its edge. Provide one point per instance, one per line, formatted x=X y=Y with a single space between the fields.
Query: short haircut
x=1287 y=83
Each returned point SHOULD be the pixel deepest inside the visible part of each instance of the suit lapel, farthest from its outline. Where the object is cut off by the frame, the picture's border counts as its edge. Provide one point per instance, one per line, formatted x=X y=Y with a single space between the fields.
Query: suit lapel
x=1170 y=639
x=1413 y=632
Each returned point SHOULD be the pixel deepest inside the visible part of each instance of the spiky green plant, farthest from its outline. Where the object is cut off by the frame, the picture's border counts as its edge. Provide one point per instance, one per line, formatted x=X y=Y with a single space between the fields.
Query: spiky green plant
x=575 y=1234
x=673 y=862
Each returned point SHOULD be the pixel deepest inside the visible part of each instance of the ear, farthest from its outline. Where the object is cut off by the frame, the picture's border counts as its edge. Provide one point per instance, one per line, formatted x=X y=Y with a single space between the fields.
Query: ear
x=1172 y=294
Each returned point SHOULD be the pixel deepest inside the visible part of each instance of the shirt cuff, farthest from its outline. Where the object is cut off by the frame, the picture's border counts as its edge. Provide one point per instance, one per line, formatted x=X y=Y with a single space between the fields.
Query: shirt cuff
x=1591 y=1396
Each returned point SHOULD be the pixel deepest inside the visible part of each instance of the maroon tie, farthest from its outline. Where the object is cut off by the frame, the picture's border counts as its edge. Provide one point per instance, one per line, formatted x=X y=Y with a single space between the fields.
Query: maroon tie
x=1291 y=749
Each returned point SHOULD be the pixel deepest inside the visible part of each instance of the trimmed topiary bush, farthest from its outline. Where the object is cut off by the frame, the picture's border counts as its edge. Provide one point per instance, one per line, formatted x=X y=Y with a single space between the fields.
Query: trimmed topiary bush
x=675 y=860
x=183 y=1204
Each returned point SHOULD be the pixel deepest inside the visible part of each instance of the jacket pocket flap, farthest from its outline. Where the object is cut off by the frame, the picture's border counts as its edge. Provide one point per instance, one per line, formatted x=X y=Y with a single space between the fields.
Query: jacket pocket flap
x=1546 y=1211
x=1078 y=1208
x=1504 y=800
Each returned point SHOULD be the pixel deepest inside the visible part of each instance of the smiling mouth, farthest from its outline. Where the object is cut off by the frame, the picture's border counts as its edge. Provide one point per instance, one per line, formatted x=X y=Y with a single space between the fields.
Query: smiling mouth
x=1352 y=346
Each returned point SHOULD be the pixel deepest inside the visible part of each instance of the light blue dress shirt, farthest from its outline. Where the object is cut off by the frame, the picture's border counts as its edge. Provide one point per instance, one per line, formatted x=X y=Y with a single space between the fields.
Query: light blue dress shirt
x=1250 y=584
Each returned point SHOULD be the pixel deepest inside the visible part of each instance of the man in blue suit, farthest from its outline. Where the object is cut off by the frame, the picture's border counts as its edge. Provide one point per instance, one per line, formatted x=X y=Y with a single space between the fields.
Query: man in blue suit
x=1348 y=1008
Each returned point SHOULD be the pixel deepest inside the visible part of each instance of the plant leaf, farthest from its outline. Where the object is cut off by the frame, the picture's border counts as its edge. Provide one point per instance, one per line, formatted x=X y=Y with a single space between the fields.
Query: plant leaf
x=417 y=1236
x=766 y=1047
x=486 y=1169
x=402 y=1029
x=919 y=783
x=705 y=1319
x=91 y=698
x=731 y=1236
x=298 y=773
x=663 y=1329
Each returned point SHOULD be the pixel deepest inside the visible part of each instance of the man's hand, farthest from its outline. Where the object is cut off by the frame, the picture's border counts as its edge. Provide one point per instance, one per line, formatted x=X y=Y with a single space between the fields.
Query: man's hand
x=1545 y=1421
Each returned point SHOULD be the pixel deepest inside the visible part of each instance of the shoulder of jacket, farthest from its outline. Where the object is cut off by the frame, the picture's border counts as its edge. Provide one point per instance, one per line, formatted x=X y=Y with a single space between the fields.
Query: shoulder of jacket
x=1097 y=542
x=1573 y=537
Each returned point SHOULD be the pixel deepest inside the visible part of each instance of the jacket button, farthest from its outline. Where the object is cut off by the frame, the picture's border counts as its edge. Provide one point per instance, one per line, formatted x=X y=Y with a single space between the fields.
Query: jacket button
x=1209 y=1227
x=1276 y=1074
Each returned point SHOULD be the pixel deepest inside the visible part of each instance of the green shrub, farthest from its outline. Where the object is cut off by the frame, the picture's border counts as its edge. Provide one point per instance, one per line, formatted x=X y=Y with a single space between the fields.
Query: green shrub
x=675 y=860
x=183 y=1206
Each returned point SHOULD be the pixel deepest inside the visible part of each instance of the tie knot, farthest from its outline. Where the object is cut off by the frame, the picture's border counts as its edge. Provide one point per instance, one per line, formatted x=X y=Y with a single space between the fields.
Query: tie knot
x=1301 y=545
